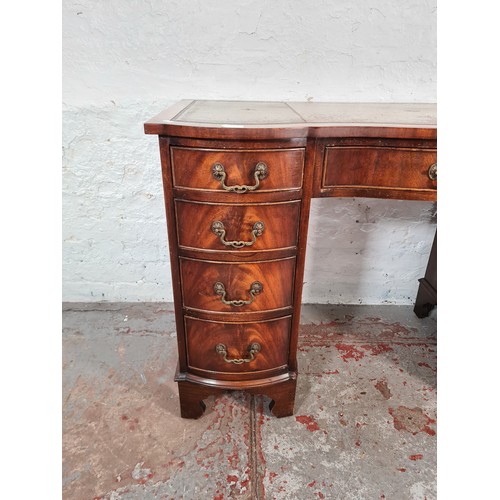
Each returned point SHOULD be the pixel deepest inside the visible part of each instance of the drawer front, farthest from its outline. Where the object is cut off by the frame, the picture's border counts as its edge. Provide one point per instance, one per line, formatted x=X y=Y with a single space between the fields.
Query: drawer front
x=378 y=167
x=241 y=228
x=222 y=170
x=238 y=287
x=206 y=338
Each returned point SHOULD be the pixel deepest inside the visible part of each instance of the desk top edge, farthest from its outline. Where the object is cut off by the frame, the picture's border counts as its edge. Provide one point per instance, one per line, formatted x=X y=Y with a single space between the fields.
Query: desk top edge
x=294 y=119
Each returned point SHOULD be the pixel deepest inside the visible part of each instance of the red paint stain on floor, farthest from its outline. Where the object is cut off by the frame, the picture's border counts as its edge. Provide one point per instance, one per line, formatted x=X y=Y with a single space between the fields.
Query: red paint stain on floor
x=412 y=420
x=260 y=423
x=429 y=431
x=309 y=422
x=418 y=456
x=326 y=334
x=402 y=469
x=395 y=329
x=350 y=352
x=258 y=443
x=427 y=365
x=311 y=484
x=174 y=462
x=382 y=387
x=376 y=349
x=233 y=459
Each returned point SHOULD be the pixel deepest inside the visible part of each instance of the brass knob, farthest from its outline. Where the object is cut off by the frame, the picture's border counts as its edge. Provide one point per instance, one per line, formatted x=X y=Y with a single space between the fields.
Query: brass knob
x=433 y=172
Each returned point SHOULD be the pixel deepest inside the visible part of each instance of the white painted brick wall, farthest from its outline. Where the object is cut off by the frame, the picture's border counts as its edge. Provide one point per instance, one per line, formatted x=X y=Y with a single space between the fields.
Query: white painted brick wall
x=124 y=61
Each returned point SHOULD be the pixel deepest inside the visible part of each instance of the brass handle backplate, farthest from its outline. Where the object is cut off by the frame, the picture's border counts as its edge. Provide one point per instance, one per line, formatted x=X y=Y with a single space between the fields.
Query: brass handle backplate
x=260 y=172
x=255 y=288
x=433 y=172
x=219 y=229
x=253 y=349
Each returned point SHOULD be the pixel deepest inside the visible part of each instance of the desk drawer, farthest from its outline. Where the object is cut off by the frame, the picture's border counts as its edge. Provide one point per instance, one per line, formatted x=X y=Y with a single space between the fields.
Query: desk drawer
x=227 y=347
x=378 y=166
x=237 y=171
x=237 y=287
x=241 y=228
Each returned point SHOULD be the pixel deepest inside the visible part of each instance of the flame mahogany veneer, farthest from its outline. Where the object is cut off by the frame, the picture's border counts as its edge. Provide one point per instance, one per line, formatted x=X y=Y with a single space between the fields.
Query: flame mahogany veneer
x=238 y=178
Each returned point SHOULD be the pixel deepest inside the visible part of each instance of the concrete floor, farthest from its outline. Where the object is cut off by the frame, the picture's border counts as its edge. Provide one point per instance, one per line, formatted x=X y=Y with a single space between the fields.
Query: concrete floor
x=364 y=424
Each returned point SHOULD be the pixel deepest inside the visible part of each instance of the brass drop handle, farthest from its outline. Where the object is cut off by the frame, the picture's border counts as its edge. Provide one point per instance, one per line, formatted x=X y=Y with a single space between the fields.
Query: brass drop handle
x=255 y=288
x=219 y=229
x=433 y=172
x=260 y=172
x=252 y=349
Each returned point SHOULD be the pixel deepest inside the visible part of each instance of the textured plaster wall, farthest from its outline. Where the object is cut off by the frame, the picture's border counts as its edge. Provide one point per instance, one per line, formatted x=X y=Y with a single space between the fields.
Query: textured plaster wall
x=124 y=61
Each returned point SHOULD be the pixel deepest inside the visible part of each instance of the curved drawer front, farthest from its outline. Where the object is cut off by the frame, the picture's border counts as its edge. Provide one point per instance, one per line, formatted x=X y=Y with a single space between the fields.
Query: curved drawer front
x=269 y=340
x=379 y=167
x=193 y=168
x=241 y=228
x=239 y=287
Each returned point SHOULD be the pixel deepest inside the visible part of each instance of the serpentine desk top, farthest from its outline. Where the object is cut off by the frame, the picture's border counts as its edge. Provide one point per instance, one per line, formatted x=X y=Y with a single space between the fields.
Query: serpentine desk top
x=279 y=119
x=248 y=170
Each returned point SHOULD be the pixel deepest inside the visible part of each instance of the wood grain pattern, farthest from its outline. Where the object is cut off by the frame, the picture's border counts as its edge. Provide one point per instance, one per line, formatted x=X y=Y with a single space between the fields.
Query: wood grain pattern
x=225 y=197
x=242 y=143
x=311 y=149
x=193 y=390
x=199 y=277
x=192 y=169
x=375 y=168
x=202 y=337
x=378 y=166
x=301 y=251
x=173 y=248
x=282 y=396
x=194 y=226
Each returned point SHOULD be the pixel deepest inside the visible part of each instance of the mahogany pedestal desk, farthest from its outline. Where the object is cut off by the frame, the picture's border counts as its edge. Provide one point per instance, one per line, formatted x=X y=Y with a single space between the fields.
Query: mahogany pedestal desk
x=238 y=180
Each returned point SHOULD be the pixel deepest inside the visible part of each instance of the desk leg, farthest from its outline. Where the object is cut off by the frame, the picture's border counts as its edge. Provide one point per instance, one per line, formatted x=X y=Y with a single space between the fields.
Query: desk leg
x=282 y=398
x=427 y=290
x=191 y=398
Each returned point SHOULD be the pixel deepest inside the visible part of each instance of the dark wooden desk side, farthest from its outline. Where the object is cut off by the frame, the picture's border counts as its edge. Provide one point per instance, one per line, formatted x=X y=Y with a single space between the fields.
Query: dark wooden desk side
x=374 y=150
x=427 y=290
